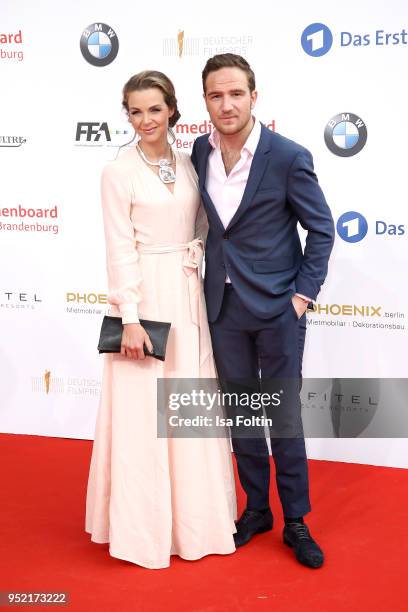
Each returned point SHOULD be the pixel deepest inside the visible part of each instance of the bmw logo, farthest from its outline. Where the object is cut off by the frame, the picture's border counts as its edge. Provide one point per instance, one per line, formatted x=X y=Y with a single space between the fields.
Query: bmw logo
x=345 y=134
x=99 y=44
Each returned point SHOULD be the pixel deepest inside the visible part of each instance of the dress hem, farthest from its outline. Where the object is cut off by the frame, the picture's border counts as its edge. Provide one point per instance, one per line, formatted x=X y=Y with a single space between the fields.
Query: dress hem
x=164 y=564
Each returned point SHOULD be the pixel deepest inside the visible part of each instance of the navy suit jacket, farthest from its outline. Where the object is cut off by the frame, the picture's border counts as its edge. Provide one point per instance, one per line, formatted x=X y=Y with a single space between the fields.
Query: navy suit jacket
x=260 y=249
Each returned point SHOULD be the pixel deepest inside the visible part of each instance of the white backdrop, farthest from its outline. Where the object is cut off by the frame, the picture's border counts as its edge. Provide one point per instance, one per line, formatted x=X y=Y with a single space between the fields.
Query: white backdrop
x=53 y=283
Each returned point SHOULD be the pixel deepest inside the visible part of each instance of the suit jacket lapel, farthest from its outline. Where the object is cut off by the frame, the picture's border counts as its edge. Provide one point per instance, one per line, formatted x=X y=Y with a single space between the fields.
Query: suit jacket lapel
x=203 y=163
x=256 y=172
x=202 y=173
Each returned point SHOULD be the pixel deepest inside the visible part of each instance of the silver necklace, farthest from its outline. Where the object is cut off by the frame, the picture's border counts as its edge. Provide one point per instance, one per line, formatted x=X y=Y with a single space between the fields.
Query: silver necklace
x=166 y=172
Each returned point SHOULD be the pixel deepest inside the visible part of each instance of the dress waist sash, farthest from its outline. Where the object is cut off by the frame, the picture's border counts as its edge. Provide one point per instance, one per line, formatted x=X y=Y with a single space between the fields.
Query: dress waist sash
x=192 y=266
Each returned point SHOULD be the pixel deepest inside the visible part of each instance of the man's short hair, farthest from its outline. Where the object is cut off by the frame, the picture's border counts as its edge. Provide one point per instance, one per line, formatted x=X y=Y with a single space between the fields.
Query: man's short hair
x=229 y=60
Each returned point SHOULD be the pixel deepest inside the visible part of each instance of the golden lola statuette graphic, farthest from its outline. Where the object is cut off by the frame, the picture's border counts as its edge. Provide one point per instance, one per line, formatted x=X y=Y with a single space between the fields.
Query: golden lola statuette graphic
x=180 y=42
x=47 y=380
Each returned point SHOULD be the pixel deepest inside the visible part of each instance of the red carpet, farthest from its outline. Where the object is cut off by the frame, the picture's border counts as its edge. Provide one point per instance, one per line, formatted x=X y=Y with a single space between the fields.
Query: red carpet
x=360 y=519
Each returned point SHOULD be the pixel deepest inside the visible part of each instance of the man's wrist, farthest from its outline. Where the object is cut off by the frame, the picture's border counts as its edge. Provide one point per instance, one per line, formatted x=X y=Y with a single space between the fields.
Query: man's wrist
x=304 y=298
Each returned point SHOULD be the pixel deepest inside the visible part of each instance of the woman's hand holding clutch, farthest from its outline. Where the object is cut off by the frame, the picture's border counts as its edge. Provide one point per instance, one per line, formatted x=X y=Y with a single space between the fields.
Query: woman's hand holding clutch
x=133 y=338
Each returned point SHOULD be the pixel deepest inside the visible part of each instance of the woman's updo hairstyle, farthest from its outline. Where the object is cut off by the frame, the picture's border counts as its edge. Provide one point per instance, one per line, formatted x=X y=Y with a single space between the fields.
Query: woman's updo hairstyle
x=148 y=79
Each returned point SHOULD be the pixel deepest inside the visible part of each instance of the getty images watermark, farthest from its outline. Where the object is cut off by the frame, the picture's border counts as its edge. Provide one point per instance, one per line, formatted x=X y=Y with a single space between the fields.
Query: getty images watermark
x=210 y=408
x=212 y=402
x=283 y=408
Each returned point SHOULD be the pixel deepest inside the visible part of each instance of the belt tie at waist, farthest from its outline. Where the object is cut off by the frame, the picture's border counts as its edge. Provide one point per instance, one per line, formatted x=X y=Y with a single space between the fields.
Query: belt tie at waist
x=192 y=265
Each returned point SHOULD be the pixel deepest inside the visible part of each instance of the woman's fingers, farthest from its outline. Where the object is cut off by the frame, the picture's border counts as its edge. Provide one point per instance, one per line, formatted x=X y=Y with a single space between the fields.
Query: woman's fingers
x=132 y=352
x=148 y=343
x=136 y=351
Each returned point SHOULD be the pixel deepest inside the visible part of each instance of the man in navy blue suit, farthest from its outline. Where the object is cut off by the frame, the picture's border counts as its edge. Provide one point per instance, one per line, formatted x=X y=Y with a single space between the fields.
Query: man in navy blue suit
x=256 y=186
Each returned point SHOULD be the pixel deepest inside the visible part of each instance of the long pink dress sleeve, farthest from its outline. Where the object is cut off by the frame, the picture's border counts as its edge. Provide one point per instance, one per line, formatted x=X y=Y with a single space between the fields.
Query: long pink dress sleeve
x=124 y=276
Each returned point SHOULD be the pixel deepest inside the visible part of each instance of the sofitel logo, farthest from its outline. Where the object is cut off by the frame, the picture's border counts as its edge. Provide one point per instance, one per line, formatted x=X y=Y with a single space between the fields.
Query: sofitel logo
x=19 y=300
x=339 y=408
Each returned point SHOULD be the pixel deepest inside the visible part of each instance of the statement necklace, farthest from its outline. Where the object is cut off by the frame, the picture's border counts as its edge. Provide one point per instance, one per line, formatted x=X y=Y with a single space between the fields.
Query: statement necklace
x=166 y=172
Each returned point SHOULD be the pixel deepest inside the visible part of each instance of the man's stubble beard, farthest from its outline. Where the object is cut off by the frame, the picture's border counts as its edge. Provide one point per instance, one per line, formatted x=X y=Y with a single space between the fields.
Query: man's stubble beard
x=243 y=125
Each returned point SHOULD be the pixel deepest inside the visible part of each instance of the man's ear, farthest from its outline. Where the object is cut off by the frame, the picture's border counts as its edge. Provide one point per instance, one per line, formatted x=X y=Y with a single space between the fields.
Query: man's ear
x=205 y=101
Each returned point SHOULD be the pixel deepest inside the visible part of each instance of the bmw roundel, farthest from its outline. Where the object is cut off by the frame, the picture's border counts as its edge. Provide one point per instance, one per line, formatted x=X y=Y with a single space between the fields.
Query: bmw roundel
x=99 y=44
x=345 y=134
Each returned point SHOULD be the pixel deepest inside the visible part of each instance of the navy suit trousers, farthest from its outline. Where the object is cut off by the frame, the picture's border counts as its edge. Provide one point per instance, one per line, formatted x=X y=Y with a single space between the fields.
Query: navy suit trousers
x=249 y=348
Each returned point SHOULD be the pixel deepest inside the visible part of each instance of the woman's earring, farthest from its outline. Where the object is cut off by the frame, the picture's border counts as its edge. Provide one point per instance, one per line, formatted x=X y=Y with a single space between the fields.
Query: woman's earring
x=172 y=136
x=126 y=144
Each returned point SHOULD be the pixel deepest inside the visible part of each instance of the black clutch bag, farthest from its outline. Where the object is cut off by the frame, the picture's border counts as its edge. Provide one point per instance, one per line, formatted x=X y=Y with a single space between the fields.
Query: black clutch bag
x=111 y=336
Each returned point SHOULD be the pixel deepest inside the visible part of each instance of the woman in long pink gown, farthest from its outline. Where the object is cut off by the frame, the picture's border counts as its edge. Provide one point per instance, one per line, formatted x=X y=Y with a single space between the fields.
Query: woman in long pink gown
x=153 y=497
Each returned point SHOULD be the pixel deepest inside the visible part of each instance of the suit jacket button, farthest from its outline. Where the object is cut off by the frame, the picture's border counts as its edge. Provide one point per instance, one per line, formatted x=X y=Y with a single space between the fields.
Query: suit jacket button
x=226 y=236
